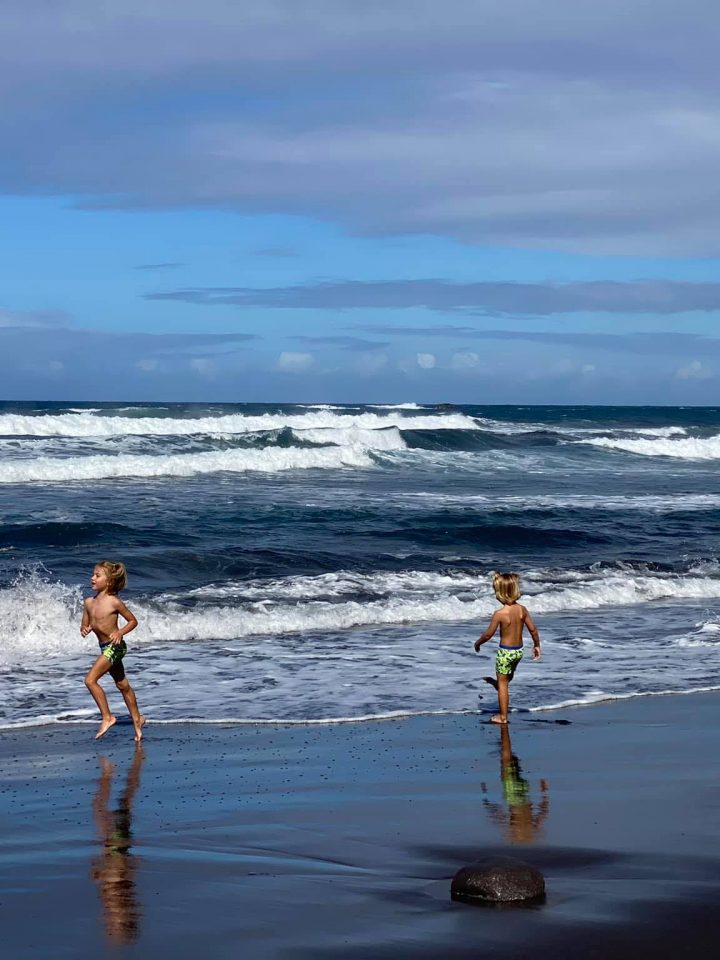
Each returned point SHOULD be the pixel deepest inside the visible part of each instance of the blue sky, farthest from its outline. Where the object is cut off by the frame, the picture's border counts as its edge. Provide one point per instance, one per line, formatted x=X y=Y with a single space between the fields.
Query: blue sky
x=323 y=201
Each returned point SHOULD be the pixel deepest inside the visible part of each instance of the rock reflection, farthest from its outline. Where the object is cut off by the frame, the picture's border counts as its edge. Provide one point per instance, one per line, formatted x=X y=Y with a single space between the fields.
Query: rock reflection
x=522 y=821
x=114 y=868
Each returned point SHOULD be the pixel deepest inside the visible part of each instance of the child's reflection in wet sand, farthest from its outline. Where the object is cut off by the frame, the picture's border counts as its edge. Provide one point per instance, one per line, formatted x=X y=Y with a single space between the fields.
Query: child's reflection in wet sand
x=522 y=823
x=114 y=868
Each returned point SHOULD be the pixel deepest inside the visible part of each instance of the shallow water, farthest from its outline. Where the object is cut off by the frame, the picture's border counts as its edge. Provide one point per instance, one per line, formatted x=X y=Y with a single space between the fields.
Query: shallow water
x=320 y=562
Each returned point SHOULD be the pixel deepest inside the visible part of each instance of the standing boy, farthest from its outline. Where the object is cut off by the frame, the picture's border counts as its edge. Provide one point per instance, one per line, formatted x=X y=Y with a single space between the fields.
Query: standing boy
x=511 y=619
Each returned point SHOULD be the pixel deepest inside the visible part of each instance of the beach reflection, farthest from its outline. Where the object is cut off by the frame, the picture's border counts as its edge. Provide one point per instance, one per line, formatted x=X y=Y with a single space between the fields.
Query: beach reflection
x=520 y=819
x=114 y=868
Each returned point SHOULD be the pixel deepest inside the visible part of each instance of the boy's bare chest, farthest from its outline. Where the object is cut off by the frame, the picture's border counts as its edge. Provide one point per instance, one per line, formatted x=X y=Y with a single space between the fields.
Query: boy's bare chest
x=101 y=609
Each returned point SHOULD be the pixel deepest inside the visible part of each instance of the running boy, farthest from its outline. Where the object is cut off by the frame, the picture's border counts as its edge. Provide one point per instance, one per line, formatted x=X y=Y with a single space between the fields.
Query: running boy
x=511 y=619
x=100 y=615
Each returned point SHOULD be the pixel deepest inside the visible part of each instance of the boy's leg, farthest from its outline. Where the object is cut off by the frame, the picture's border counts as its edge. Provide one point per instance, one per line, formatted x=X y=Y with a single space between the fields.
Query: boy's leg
x=502 y=685
x=503 y=680
x=117 y=672
x=99 y=669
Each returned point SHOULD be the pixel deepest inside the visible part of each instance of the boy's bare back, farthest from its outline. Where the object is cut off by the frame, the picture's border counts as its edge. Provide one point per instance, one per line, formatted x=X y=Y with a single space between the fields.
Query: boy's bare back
x=512 y=619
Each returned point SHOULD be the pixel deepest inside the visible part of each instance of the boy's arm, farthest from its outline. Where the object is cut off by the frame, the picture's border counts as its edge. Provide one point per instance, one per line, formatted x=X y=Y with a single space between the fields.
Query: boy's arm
x=530 y=624
x=490 y=632
x=119 y=632
x=85 y=627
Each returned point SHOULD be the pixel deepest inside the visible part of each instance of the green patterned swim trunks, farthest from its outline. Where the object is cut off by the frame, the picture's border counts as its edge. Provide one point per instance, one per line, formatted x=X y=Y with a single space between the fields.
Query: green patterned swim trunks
x=507 y=659
x=114 y=652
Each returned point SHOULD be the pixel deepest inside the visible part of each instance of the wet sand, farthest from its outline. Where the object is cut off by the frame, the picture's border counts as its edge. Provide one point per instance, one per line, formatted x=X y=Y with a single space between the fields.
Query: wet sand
x=339 y=841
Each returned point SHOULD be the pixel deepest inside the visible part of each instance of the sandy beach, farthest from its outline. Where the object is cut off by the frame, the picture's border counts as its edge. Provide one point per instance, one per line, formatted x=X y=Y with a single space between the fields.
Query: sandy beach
x=340 y=840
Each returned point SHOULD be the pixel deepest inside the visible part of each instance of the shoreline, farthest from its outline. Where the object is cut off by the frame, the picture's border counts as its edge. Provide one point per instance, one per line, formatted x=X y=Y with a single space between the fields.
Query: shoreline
x=340 y=839
x=517 y=714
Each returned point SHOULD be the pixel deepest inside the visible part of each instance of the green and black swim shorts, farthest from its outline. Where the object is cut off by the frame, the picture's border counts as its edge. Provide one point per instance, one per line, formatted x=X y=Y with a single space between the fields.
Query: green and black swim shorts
x=114 y=651
x=507 y=660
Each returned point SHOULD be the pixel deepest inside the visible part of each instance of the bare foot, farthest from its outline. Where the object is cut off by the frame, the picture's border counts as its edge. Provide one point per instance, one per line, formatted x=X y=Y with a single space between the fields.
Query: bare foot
x=498 y=719
x=105 y=726
x=492 y=681
x=138 y=730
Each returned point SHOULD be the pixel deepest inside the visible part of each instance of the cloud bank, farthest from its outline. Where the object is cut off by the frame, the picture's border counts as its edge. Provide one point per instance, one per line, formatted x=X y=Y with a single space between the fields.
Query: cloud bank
x=511 y=299
x=577 y=126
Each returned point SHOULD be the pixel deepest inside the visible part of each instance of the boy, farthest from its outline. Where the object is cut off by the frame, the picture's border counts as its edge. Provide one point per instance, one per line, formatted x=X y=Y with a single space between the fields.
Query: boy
x=100 y=614
x=511 y=619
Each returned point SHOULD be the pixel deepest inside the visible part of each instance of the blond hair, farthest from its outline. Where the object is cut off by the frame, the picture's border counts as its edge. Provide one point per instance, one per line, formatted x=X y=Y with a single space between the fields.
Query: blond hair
x=506 y=587
x=116 y=574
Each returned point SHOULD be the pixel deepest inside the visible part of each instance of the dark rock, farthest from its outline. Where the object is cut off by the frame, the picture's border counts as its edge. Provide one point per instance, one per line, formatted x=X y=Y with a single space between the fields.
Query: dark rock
x=499 y=880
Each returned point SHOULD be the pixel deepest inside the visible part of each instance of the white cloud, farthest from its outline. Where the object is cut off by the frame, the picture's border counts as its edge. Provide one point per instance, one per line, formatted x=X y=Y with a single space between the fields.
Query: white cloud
x=295 y=362
x=202 y=366
x=367 y=364
x=617 y=99
x=41 y=319
x=57 y=366
x=426 y=361
x=465 y=360
x=147 y=365
x=587 y=368
x=693 y=371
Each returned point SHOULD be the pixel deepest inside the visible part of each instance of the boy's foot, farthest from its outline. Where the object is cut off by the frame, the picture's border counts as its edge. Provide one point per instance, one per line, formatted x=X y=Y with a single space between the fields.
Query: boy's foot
x=138 y=729
x=498 y=719
x=105 y=726
x=492 y=681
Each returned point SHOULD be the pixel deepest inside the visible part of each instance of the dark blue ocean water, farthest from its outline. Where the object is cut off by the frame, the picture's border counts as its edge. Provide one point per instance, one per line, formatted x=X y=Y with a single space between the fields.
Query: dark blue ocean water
x=316 y=562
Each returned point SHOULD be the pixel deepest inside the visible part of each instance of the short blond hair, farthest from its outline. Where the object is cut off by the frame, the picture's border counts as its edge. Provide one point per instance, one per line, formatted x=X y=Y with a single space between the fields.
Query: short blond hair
x=116 y=574
x=506 y=587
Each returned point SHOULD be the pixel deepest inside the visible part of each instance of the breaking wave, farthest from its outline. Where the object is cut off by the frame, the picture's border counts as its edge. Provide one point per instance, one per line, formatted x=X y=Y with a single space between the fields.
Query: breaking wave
x=273 y=460
x=336 y=602
x=686 y=448
x=91 y=425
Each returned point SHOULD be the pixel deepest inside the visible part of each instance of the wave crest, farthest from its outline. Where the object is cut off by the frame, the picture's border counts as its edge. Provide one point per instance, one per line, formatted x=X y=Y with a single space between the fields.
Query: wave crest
x=686 y=448
x=91 y=425
x=269 y=460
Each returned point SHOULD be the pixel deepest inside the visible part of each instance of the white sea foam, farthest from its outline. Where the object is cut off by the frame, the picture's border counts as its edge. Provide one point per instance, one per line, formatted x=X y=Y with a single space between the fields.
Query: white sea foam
x=696 y=642
x=343 y=583
x=403 y=598
x=269 y=460
x=511 y=428
x=41 y=618
x=667 y=503
x=600 y=696
x=74 y=718
x=90 y=425
x=707 y=634
x=388 y=438
x=594 y=698
x=688 y=448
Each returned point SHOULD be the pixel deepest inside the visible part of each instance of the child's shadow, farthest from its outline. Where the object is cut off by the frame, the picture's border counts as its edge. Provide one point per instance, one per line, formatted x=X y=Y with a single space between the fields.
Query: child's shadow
x=521 y=820
x=114 y=868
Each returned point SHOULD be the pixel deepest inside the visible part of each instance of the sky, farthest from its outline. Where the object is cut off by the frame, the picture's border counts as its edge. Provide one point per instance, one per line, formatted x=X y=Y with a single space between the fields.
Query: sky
x=473 y=201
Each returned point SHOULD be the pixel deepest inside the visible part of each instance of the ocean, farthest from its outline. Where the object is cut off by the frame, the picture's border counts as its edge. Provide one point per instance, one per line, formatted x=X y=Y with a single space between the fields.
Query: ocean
x=315 y=562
